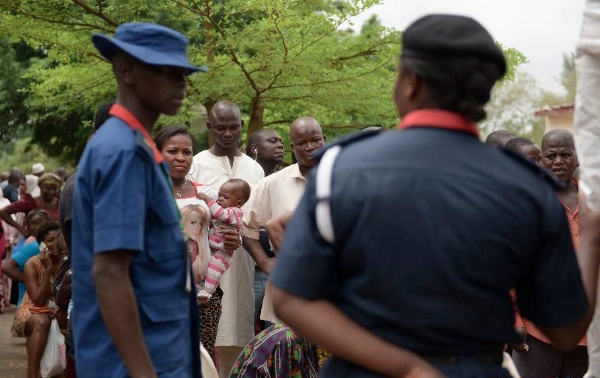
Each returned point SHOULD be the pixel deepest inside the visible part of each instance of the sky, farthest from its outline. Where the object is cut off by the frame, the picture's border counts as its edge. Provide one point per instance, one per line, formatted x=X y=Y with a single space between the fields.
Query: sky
x=543 y=30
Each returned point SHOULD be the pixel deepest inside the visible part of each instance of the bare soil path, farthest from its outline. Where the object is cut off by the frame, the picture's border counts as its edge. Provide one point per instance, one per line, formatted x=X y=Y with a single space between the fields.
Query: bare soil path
x=13 y=357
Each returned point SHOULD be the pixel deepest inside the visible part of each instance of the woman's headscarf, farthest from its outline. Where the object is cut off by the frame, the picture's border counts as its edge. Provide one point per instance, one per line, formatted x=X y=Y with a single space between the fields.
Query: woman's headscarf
x=51 y=179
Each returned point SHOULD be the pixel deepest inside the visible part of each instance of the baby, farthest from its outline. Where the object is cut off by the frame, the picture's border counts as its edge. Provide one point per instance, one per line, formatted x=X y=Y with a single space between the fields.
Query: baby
x=226 y=210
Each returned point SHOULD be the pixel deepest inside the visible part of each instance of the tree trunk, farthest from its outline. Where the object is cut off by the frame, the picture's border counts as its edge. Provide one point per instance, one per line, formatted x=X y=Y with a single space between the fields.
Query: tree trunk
x=209 y=41
x=257 y=110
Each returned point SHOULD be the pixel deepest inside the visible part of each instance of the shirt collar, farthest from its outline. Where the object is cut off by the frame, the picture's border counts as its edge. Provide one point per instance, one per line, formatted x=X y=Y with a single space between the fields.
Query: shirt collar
x=439 y=119
x=126 y=116
x=295 y=172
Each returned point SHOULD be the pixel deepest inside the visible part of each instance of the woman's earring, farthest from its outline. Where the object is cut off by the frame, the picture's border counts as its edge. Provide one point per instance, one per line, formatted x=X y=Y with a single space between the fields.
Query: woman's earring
x=255 y=154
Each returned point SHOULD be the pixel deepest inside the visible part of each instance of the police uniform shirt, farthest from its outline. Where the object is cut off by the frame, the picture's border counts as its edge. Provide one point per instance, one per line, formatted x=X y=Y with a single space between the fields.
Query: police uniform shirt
x=433 y=228
x=123 y=201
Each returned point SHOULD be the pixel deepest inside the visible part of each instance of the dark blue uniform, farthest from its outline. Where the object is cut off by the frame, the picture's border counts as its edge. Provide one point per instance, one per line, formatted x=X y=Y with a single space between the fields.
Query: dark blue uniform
x=433 y=229
x=123 y=200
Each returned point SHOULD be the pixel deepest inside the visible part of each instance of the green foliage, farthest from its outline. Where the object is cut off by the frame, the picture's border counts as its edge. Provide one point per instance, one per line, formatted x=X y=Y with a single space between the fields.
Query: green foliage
x=278 y=59
x=568 y=77
x=22 y=153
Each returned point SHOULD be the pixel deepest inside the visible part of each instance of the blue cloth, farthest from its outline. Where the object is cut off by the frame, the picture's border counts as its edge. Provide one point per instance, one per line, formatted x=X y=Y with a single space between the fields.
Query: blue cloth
x=21 y=256
x=123 y=201
x=433 y=229
x=11 y=193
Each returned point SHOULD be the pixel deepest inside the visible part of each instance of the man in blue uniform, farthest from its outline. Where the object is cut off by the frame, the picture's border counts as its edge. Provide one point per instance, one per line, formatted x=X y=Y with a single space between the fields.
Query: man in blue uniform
x=134 y=311
x=432 y=229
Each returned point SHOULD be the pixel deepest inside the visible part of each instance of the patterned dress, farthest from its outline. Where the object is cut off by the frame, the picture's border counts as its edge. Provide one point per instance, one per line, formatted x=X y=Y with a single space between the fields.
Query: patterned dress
x=27 y=307
x=277 y=351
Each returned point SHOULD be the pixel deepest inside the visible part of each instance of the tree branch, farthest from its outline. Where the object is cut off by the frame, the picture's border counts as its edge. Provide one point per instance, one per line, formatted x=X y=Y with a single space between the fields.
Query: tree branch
x=63 y=22
x=233 y=55
x=277 y=122
x=199 y=12
x=339 y=80
x=96 y=13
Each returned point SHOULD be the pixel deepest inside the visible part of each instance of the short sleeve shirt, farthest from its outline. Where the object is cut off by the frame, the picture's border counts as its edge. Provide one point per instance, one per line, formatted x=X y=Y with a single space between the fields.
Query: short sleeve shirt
x=123 y=201
x=21 y=257
x=27 y=204
x=433 y=229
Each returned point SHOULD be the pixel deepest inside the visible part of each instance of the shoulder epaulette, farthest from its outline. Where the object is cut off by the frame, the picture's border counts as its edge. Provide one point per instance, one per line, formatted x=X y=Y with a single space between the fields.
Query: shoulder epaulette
x=142 y=143
x=544 y=173
x=346 y=140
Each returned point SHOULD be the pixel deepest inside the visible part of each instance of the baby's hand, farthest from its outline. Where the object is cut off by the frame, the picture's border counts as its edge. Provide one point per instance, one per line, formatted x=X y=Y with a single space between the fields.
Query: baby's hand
x=203 y=197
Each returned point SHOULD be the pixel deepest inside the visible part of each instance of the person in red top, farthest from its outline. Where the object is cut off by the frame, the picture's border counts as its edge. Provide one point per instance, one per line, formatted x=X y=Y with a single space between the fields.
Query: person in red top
x=49 y=185
x=537 y=357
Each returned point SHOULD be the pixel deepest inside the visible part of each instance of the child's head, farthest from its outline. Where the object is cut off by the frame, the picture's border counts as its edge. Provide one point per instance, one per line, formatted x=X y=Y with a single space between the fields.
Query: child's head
x=234 y=192
x=525 y=147
x=194 y=219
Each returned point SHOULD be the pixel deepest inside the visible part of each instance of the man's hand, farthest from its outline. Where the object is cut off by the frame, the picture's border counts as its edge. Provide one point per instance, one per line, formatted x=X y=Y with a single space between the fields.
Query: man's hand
x=267 y=264
x=522 y=346
x=276 y=229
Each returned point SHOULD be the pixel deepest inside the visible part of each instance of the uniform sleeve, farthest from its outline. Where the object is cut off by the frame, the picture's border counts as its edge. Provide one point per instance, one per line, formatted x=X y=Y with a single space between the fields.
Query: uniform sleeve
x=120 y=201
x=306 y=265
x=551 y=292
x=257 y=211
x=587 y=104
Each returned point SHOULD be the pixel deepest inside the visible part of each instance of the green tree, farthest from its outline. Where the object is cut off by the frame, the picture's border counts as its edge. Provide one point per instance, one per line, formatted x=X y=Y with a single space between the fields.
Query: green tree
x=278 y=59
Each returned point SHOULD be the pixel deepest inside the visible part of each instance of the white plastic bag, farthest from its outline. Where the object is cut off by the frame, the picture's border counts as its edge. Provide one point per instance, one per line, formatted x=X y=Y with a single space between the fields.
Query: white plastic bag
x=208 y=367
x=54 y=360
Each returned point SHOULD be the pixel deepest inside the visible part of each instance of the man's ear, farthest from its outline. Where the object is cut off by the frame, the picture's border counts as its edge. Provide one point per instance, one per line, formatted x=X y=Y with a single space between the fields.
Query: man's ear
x=242 y=123
x=123 y=69
x=412 y=86
x=208 y=125
x=324 y=138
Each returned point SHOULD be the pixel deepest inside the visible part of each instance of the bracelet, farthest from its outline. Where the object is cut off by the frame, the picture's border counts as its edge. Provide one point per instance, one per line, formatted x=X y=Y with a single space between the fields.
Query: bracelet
x=239 y=245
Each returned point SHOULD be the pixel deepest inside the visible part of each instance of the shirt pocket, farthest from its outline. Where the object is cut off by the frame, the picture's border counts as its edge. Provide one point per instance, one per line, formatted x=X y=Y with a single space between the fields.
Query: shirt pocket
x=164 y=240
x=165 y=307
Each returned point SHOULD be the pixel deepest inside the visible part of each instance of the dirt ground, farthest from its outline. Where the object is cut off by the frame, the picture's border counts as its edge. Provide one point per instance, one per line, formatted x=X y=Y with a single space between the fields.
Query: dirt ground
x=13 y=357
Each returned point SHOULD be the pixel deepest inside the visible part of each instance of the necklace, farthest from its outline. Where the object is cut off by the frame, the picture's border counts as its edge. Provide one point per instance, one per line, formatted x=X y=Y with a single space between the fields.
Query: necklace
x=178 y=191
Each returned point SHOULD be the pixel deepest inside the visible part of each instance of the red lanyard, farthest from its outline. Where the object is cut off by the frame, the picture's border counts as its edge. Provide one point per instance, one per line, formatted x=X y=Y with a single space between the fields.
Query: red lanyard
x=125 y=115
x=439 y=119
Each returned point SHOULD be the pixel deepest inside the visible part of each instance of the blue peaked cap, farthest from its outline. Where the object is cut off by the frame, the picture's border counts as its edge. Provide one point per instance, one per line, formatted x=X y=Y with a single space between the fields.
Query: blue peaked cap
x=152 y=44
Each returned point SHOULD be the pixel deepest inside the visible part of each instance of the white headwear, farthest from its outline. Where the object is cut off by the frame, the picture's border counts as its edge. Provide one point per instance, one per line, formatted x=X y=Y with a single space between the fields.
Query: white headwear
x=32 y=187
x=37 y=168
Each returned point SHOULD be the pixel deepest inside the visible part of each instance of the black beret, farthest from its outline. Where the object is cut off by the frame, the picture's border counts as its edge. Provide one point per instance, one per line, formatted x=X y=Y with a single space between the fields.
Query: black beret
x=448 y=36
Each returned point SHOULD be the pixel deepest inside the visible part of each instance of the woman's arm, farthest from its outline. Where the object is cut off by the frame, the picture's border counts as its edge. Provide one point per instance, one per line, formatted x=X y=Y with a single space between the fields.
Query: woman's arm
x=38 y=292
x=5 y=215
x=11 y=269
x=344 y=338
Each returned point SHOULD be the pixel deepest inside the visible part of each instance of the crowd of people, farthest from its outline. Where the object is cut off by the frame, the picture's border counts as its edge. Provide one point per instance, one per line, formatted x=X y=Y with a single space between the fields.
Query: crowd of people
x=414 y=253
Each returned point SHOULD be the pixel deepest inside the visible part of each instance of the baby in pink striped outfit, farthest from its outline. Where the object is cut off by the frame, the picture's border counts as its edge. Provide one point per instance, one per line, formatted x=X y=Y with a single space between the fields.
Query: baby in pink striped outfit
x=225 y=212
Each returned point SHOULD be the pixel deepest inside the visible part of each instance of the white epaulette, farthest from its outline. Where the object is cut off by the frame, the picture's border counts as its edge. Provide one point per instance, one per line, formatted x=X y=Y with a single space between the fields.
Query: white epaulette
x=323 y=192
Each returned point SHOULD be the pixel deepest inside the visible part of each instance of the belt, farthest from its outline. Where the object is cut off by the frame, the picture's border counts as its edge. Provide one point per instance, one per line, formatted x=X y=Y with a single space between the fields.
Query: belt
x=492 y=358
